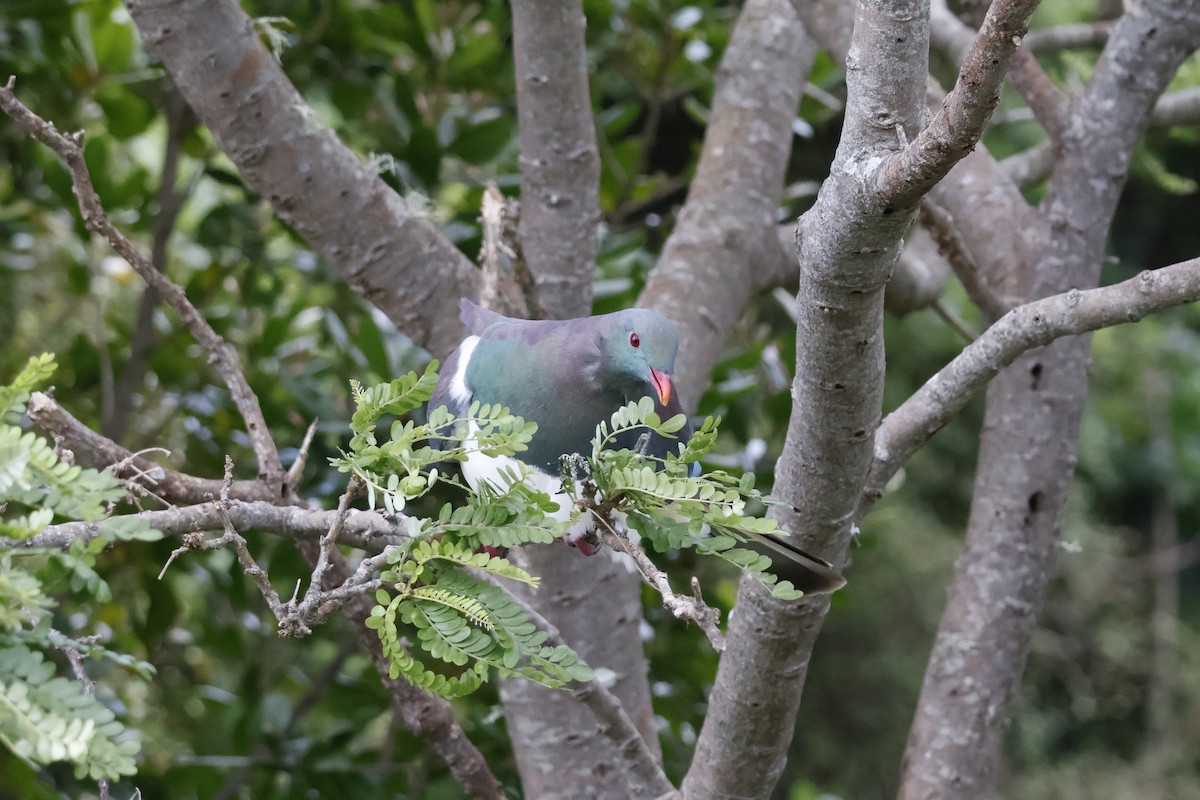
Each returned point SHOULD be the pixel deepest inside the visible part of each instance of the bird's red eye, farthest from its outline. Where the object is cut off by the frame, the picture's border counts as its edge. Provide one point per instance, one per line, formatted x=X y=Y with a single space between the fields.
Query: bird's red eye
x=634 y=339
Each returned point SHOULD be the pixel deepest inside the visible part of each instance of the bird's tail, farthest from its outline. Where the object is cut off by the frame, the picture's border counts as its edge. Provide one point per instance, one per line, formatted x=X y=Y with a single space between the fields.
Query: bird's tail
x=808 y=573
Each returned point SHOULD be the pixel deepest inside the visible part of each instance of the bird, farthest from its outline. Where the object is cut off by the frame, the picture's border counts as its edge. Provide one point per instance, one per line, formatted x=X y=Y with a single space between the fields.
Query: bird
x=568 y=376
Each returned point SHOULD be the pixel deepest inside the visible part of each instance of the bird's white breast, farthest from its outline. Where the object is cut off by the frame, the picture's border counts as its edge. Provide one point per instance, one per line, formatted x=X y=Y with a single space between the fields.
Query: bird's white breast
x=480 y=468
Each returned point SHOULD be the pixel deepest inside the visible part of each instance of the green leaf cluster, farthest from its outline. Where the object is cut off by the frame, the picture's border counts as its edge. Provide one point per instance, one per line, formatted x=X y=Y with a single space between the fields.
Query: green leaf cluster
x=663 y=502
x=464 y=621
x=45 y=718
x=437 y=606
x=405 y=466
x=436 y=594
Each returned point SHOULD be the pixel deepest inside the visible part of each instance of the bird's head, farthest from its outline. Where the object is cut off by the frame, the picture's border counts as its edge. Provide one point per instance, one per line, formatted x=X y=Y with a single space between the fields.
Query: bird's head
x=638 y=348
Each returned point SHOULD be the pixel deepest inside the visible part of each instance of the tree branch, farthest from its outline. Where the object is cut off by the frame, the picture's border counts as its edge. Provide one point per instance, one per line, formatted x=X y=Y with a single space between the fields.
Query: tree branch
x=954 y=248
x=957 y=127
x=364 y=231
x=954 y=38
x=689 y=609
x=180 y=122
x=848 y=244
x=224 y=360
x=909 y=427
x=1034 y=163
x=645 y=776
x=1068 y=37
x=94 y=450
x=557 y=233
x=560 y=164
x=724 y=245
x=365 y=530
x=1045 y=100
x=1029 y=442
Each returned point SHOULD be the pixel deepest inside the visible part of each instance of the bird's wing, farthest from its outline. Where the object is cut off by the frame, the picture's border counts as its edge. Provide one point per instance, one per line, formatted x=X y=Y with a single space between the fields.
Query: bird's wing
x=476 y=318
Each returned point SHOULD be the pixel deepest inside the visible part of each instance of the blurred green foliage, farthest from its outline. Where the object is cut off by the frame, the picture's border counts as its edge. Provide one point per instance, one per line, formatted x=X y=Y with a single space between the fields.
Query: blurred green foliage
x=424 y=90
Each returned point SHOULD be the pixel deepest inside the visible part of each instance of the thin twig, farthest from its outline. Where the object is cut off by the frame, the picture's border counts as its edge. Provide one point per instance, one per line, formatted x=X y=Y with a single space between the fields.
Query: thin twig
x=956 y=323
x=75 y=658
x=221 y=356
x=296 y=471
x=329 y=540
x=197 y=541
x=957 y=252
x=690 y=609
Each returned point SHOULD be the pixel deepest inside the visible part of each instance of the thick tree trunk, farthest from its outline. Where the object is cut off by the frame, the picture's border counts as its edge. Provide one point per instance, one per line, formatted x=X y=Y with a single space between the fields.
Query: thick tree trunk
x=595 y=603
x=560 y=162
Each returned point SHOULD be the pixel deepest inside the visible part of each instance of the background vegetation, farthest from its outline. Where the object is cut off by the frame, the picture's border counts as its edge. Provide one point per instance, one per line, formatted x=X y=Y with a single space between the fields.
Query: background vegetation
x=424 y=90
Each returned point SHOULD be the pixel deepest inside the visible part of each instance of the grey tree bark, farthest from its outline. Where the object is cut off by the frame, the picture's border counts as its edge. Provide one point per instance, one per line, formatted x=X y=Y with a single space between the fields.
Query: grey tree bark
x=848 y=244
x=1028 y=448
x=363 y=230
x=560 y=748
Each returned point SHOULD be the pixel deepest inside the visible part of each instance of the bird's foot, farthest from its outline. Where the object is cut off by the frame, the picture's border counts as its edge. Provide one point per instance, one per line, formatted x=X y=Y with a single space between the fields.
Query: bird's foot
x=588 y=545
x=582 y=534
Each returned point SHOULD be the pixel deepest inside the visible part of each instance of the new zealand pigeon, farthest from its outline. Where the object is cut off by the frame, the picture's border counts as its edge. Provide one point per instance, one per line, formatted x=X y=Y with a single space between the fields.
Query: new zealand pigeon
x=567 y=376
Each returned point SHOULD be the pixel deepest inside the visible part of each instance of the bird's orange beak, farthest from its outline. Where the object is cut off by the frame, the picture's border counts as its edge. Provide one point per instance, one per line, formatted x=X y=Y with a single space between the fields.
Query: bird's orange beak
x=662 y=384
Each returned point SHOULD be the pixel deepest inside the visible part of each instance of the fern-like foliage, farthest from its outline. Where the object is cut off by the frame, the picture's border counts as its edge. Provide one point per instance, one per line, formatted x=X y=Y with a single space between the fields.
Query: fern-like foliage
x=673 y=510
x=45 y=717
x=459 y=628
x=463 y=621
x=441 y=624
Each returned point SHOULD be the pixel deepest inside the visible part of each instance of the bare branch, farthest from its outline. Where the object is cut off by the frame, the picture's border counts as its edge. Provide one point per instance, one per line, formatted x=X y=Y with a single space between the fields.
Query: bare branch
x=501 y=259
x=70 y=648
x=366 y=530
x=296 y=470
x=689 y=609
x=848 y=244
x=645 y=774
x=1068 y=37
x=1029 y=443
x=1033 y=164
x=1030 y=165
x=949 y=34
x=724 y=245
x=910 y=426
x=330 y=539
x=956 y=129
x=1045 y=100
x=957 y=252
x=1048 y=104
x=1177 y=108
x=917 y=280
x=222 y=357
x=180 y=122
x=197 y=541
x=94 y=450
